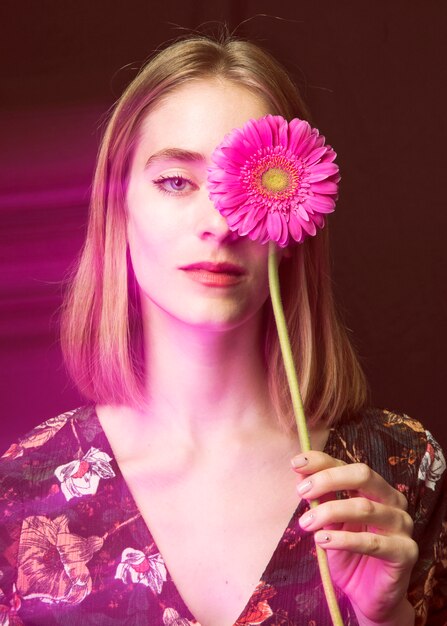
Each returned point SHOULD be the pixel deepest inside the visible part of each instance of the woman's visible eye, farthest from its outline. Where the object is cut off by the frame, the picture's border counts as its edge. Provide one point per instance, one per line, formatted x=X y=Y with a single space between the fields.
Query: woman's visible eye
x=174 y=185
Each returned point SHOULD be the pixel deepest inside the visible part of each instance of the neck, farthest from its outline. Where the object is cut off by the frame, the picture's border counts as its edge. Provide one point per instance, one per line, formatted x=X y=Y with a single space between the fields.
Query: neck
x=202 y=380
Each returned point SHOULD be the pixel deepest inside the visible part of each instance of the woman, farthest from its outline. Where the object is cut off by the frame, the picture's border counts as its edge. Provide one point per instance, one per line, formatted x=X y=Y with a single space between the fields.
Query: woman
x=170 y=498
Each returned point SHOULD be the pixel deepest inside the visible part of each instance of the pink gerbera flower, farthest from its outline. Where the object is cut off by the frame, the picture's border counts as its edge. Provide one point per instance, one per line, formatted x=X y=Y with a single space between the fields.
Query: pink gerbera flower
x=274 y=180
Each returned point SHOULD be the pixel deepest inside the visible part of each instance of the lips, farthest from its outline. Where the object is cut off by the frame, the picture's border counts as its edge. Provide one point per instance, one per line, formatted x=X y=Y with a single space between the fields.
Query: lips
x=217 y=268
x=212 y=274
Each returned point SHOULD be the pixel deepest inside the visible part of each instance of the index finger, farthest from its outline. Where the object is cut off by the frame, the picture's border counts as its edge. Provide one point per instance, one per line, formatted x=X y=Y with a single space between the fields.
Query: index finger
x=325 y=475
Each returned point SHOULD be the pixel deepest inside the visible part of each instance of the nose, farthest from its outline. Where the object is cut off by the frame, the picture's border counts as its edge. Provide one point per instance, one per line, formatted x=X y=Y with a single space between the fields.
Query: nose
x=211 y=224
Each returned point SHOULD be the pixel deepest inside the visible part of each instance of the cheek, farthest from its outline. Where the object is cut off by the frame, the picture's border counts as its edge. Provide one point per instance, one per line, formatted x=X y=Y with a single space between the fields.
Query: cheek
x=263 y=289
x=259 y=260
x=152 y=251
x=151 y=223
x=137 y=242
x=142 y=250
x=260 y=282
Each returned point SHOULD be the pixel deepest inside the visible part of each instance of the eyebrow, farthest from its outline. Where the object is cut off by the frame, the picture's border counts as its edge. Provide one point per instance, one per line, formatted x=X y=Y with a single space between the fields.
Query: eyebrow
x=175 y=154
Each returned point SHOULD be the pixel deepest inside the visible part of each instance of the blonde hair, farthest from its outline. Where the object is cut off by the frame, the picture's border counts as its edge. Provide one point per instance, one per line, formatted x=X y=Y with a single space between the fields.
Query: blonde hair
x=101 y=320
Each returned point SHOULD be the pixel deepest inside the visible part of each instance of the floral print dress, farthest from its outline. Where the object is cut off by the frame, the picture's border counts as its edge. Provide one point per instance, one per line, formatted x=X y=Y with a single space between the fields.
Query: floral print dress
x=76 y=551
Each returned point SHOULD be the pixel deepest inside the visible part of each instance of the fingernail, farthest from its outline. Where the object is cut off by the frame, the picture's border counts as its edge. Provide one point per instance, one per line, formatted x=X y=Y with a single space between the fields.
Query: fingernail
x=300 y=461
x=305 y=487
x=306 y=520
x=322 y=537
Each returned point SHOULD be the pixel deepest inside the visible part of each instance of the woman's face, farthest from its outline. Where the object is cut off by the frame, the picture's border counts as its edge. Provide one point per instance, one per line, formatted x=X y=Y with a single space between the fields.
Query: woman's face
x=187 y=263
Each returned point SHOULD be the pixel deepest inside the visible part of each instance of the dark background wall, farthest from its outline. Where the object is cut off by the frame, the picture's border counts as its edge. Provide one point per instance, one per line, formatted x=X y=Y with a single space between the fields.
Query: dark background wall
x=374 y=75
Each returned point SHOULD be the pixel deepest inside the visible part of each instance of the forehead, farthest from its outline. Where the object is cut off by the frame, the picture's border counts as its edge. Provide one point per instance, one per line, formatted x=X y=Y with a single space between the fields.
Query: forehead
x=197 y=115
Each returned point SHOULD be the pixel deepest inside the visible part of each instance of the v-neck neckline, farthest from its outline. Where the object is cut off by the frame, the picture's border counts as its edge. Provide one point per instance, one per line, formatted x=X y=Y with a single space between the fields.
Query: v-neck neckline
x=301 y=507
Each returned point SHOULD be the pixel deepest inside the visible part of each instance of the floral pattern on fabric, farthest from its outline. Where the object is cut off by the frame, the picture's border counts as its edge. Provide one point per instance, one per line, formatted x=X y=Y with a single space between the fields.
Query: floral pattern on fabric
x=172 y=618
x=52 y=561
x=74 y=548
x=81 y=477
x=258 y=608
x=432 y=466
x=136 y=567
x=38 y=436
x=8 y=614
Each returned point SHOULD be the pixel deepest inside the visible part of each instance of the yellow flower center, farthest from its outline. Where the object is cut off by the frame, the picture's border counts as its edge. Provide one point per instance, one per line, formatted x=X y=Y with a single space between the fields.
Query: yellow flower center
x=275 y=180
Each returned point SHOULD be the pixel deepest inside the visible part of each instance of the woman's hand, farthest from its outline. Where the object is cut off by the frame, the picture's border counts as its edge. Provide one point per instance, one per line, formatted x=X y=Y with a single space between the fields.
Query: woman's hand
x=367 y=537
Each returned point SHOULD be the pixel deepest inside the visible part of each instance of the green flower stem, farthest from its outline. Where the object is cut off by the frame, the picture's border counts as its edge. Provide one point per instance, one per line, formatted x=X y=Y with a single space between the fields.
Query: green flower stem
x=297 y=403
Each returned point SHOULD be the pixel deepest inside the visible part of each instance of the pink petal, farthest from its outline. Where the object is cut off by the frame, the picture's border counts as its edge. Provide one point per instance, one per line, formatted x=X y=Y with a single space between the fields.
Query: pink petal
x=252 y=218
x=315 y=155
x=321 y=204
x=274 y=225
x=259 y=232
x=233 y=220
x=265 y=132
x=318 y=220
x=308 y=145
x=299 y=130
x=283 y=133
x=301 y=211
x=231 y=199
x=295 y=228
x=275 y=122
x=243 y=206
x=282 y=241
x=319 y=139
x=322 y=171
x=219 y=175
x=264 y=237
x=310 y=228
x=234 y=154
x=233 y=169
x=325 y=186
x=259 y=211
x=224 y=187
x=336 y=179
x=331 y=155
x=251 y=130
x=241 y=209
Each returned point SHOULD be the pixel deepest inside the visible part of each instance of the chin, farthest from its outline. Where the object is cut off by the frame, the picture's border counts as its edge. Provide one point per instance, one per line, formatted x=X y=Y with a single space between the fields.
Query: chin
x=226 y=321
